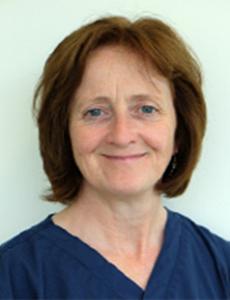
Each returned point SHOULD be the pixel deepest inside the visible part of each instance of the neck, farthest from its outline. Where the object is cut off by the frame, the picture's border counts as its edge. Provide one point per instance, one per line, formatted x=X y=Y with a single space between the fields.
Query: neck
x=130 y=225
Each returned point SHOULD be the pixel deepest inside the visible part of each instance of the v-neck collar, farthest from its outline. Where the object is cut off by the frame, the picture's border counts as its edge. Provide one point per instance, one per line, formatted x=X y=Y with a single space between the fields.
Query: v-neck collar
x=113 y=277
x=163 y=271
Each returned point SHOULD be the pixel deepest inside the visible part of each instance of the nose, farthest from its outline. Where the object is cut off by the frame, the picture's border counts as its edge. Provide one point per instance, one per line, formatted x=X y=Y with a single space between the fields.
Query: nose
x=122 y=131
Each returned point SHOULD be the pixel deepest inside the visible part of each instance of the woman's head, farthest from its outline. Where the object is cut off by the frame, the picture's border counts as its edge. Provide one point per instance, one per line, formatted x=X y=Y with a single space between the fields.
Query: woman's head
x=122 y=124
x=155 y=43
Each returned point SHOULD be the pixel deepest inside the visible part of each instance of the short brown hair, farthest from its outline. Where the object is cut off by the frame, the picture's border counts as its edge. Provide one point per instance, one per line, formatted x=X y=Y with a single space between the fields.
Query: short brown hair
x=160 y=45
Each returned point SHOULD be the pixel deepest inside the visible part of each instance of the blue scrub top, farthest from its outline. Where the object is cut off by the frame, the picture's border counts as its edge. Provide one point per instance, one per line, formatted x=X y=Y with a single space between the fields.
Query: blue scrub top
x=46 y=262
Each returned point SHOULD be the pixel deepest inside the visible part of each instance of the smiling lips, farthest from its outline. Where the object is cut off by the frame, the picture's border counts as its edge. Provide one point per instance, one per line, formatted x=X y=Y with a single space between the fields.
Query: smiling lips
x=124 y=157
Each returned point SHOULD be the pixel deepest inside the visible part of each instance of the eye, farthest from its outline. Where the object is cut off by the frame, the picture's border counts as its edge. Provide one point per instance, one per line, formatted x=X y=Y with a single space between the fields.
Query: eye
x=147 y=109
x=94 y=112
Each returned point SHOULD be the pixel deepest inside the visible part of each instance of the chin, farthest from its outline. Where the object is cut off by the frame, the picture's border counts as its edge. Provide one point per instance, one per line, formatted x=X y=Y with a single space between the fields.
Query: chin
x=130 y=188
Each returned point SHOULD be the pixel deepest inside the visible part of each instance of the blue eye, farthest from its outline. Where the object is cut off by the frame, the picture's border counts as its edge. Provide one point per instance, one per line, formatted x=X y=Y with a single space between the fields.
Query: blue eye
x=94 y=112
x=147 y=109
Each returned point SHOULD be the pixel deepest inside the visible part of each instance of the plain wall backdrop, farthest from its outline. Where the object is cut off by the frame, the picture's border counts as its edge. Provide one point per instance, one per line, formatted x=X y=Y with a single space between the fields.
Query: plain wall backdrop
x=29 y=31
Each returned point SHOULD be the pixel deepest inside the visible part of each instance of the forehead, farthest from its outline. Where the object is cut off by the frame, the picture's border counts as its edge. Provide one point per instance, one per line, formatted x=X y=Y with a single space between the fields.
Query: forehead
x=112 y=57
x=113 y=65
x=112 y=52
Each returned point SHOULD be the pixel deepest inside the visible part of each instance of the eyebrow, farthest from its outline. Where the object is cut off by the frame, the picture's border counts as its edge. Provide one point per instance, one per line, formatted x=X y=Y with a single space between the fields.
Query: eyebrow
x=141 y=97
x=84 y=101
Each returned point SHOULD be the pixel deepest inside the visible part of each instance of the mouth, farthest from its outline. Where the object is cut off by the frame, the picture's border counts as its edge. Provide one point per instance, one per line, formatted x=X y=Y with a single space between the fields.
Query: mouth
x=124 y=158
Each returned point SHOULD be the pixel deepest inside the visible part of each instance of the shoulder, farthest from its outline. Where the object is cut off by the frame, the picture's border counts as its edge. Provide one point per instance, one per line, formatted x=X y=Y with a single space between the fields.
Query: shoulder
x=20 y=261
x=204 y=244
x=201 y=233
x=20 y=245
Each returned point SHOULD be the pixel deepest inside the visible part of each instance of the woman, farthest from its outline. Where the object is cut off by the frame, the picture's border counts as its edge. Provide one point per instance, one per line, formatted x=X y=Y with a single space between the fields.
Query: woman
x=121 y=118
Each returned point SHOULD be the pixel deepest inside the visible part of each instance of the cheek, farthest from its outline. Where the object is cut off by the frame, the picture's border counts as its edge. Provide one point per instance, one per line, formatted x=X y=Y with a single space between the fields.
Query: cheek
x=160 y=138
x=84 y=140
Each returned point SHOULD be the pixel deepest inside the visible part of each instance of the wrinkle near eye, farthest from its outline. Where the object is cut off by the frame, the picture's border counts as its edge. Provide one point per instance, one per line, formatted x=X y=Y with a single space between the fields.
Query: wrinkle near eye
x=93 y=112
x=148 y=109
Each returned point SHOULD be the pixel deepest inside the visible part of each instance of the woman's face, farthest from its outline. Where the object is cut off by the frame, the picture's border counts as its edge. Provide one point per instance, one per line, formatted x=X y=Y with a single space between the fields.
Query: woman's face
x=122 y=123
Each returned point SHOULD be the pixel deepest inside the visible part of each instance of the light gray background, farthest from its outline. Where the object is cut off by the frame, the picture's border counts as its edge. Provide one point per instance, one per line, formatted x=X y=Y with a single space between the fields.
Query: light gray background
x=29 y=31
